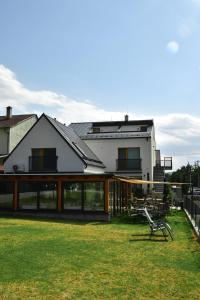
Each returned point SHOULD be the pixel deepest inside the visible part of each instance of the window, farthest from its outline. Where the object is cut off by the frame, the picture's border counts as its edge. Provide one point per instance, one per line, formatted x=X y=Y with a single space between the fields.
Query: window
x=72 y=195
x=129 y=159
x=47 y=195
x=129 y=153
x=94 y=196
x=143 y=128
x=43 y=159
x=37 y=195
x=6 y=195
x=85 y=196
x=28 y=195
x=96 y=129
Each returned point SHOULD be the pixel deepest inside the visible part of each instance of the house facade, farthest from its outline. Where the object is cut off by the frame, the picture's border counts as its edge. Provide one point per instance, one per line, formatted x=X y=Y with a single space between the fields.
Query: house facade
x=51 y=147
x=12 y=130
x=72 y=170
x=127 y=148
x=52 y=170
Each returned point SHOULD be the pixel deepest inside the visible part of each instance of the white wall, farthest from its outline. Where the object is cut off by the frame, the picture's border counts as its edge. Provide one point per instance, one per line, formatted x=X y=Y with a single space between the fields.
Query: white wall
x=107 y=151
x=19 y=131
x=43 y=135
x=4 y=137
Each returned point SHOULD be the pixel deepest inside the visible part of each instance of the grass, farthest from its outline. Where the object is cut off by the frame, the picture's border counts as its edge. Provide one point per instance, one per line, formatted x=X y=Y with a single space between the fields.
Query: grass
x=45 y=259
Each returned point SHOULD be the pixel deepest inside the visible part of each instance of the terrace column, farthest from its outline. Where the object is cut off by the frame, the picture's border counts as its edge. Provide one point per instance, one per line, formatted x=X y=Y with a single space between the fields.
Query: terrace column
x=106 y=196
x=15 y=195
x=59 y=195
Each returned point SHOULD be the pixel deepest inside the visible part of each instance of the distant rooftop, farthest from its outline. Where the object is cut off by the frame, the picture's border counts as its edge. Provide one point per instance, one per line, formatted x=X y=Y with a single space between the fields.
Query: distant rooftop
x=10 y=120
x=113 y=129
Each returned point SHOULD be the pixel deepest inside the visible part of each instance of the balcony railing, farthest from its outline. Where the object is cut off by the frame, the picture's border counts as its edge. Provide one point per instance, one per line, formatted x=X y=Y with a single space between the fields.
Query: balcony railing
x=129 y=164
x=165 y=163
x=43 y=163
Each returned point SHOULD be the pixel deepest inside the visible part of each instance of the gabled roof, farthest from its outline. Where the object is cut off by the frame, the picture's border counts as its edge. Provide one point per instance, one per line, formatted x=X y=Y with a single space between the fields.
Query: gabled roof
x=74 y=141
x=14 y=120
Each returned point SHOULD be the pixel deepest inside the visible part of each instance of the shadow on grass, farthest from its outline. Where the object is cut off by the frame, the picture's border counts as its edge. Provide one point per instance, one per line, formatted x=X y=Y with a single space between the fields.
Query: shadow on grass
x=45 y=219
x=74 y=218
x=148 y=238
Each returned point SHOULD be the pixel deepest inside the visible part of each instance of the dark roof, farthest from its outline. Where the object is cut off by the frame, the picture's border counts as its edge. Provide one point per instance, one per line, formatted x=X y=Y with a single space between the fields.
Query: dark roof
x=14 y=120
x=78 y=145
x=84 y=130
x=121 y=123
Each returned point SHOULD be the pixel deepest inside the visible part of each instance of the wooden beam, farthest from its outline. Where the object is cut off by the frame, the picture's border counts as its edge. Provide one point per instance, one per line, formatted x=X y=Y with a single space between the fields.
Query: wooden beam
x=52 y=177
x=106 y=196
x=15 y=195
x=59 y=195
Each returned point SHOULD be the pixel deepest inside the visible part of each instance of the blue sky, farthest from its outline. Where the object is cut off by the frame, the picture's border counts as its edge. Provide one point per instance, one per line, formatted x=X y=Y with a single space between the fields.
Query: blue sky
x=86 y=59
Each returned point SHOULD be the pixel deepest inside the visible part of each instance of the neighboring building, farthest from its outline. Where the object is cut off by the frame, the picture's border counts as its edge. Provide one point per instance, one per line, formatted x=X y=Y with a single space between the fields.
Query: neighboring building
x=127 y=148
x=12 y=130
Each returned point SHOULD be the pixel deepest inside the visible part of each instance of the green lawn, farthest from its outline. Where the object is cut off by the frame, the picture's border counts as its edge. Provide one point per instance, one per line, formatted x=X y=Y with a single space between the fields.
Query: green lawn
x=55 y=260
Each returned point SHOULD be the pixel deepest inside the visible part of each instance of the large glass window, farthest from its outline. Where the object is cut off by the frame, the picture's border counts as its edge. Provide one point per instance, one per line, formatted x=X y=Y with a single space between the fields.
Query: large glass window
x=47 y=195
x=6 y=195
x=37 y=195
x=72 y=195
x=28 y=195
x=94 y=196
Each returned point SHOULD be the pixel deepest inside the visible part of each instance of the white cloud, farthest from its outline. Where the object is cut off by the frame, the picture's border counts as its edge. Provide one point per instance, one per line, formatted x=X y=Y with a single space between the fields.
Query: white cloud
x=173 y=47
x=177 y=135
x=13 y=93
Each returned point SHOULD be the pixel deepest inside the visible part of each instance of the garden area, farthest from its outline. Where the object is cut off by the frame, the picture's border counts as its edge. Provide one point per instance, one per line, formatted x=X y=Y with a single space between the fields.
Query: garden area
x=54 y=259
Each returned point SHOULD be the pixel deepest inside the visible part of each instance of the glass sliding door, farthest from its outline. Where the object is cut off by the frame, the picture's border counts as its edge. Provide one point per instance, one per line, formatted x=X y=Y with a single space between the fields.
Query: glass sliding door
x=28 y=195
x=6 y=195
x=129 y=159
x=38 y=195
x=47 y=195
x=43 y=160
x=94 y=196
x=72 y=195
x=133 y=153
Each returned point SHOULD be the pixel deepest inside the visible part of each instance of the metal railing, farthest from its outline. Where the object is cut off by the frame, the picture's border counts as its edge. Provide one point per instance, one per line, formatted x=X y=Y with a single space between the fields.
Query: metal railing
x=192 y=206
x=165 y=163
x=129 y=164
x=43 y=163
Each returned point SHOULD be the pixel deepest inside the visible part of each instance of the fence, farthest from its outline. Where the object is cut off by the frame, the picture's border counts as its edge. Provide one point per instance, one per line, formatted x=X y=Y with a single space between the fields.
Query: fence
x=192 y=207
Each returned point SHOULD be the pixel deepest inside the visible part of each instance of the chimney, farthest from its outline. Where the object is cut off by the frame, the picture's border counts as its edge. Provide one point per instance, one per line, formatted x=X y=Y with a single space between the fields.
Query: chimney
x=126 y=118
x=9 y=112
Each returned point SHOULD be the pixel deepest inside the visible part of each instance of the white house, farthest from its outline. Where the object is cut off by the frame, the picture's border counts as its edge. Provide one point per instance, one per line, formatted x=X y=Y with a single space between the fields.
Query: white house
x=51 y=147
x=70 y=169
x=126 y=147
x=53 y=170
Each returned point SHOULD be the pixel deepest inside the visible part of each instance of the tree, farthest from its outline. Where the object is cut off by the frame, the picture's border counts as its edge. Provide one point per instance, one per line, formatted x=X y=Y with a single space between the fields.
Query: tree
x=187 y=174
